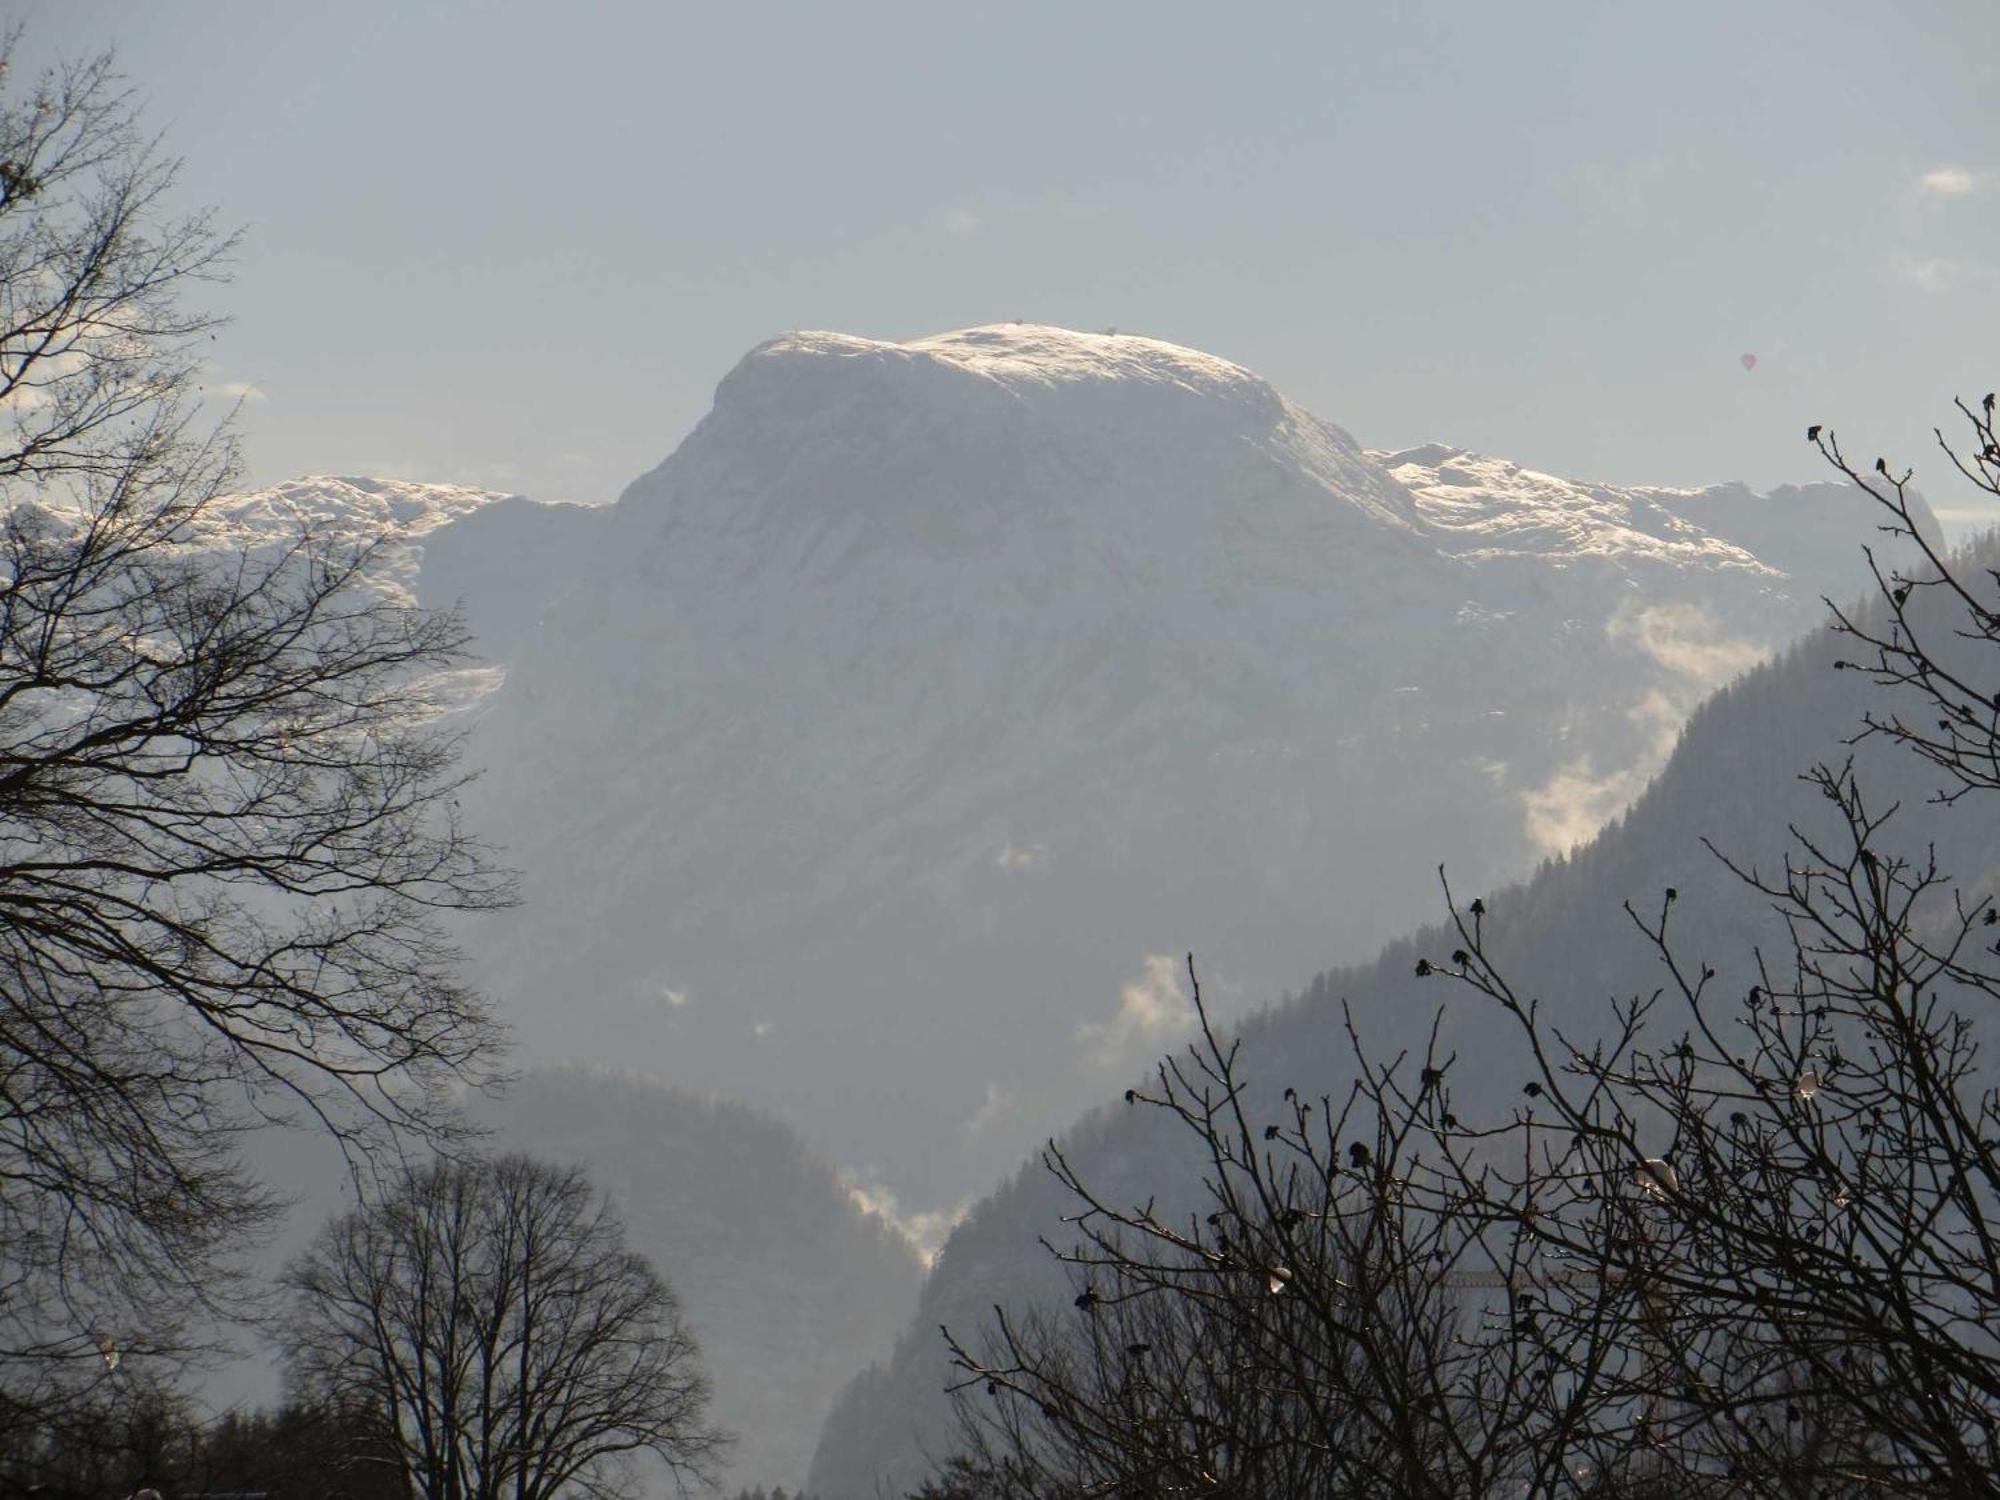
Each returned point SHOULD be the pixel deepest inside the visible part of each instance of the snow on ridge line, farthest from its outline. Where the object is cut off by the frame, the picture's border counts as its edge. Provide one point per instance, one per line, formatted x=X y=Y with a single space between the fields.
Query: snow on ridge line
x=401 y=517
x=813 y=423
x=411 y=508
x=1449 y=457
x=1026 y=354
x=1482 y=507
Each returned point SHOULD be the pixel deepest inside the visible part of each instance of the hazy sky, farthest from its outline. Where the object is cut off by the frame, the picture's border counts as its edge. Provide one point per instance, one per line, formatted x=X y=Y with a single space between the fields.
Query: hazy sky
x=517 y=244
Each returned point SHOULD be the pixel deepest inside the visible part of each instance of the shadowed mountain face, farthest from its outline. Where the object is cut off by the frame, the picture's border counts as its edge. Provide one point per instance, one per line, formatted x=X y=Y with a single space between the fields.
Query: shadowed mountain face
x=867 y=756
x=1561 y=937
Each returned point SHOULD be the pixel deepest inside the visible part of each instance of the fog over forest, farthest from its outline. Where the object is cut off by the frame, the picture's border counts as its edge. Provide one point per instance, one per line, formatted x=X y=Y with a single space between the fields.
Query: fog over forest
x=1077 y=755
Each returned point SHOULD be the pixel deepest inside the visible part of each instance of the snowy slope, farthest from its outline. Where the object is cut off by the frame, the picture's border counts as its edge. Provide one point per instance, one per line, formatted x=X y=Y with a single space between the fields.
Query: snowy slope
x=498 y=559
x=1488 y=509
x=877 y=744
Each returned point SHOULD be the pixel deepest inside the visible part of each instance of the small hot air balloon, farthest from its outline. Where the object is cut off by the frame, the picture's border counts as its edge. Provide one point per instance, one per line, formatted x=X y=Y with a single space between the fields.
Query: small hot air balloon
x=1748 y=361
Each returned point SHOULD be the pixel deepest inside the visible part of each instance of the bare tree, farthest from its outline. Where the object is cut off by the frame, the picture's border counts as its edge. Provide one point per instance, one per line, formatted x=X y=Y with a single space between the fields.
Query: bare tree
x=488 y=1313
x=1818 y=1226
x=1796 y=1182
x=1743 y=1241
x=1308 y=1330
x=226 y=818
x=1930 y=636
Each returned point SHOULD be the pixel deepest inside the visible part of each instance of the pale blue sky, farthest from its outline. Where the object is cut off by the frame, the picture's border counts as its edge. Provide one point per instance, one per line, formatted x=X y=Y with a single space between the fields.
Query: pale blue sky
x=518 y=243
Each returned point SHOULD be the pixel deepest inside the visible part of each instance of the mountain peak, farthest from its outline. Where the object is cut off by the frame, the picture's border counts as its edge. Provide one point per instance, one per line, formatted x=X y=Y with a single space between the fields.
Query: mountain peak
x=1158 y=449
x=1031 y=355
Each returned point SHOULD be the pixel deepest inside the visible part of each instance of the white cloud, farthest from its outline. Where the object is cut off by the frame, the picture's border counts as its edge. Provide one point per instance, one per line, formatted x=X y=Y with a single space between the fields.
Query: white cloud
x=1154 y=1012
x=672 y=999
x=962 y=223
x=925 y=1229
x=998 y=1104
x=218 y=383
x=760 y=1028
x=1688 y=642
x=1569 y=808
x=1952 y=182
x=1698 y=657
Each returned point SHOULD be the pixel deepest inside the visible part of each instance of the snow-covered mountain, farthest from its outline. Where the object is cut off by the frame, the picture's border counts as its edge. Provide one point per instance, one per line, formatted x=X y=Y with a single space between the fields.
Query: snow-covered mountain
x=868 y=756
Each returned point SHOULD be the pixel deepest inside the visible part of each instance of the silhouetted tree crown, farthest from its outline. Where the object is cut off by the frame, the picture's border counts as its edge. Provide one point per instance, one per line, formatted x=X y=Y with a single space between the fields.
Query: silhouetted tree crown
x=227 y=824
x=488 y=1316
